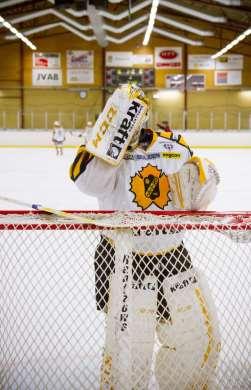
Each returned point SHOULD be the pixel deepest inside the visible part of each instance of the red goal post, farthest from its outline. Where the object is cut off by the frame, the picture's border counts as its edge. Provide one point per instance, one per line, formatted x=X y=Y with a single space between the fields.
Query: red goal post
x=126 y=300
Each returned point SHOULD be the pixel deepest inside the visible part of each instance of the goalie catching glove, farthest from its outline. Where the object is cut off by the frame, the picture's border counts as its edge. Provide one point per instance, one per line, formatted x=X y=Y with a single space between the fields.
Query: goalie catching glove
x=119 y=124
x=195 y=185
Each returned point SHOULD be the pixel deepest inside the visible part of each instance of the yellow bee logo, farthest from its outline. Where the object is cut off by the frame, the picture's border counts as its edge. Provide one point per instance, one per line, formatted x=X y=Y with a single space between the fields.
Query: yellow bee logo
x=150 y=186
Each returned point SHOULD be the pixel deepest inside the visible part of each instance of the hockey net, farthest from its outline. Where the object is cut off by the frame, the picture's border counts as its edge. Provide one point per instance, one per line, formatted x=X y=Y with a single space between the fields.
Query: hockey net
x=125 y=301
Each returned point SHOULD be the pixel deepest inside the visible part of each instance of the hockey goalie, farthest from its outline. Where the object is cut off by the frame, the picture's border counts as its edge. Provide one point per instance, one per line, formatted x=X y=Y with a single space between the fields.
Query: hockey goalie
x=161 y=322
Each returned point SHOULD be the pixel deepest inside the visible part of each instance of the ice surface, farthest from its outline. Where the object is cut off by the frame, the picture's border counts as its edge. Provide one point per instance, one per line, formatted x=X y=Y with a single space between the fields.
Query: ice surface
x=37 y=175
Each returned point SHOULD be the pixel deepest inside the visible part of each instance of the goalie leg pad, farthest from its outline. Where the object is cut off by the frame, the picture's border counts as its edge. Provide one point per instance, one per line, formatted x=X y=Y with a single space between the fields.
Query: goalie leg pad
x=144 y=305
x=190 y=341
x=130 y=328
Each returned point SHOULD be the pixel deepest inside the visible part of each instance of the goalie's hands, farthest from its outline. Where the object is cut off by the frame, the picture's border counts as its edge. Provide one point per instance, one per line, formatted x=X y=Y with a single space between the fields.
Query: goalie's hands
x=194 y=187
x=119 y=124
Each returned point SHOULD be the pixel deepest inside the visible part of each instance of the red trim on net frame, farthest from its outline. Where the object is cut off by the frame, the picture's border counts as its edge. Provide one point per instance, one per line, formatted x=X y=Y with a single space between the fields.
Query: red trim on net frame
x=241 y=220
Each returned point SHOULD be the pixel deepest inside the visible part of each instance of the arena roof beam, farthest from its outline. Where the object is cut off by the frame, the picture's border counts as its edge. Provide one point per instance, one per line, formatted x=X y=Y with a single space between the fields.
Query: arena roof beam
x=126 y=26
x=78 y=33
x=229 y=2
x=109 y=38
x=192 y=12
x=177 y=37
x=80 y=26
x=45 y=27
x=50 y=11
x=9 y=3
x=183 y=26
x=110 y=15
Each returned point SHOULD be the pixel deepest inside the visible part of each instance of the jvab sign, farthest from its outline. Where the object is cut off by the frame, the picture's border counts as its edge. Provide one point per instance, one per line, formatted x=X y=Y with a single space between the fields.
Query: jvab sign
x=46 y=77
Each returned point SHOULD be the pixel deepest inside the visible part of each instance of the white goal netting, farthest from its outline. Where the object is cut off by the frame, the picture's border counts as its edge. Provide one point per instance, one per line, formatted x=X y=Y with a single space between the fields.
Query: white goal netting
x=115 y=301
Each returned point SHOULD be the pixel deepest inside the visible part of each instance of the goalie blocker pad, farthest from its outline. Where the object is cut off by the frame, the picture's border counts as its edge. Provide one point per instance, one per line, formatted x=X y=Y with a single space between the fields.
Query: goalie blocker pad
x=123 y=115
x=194 y=187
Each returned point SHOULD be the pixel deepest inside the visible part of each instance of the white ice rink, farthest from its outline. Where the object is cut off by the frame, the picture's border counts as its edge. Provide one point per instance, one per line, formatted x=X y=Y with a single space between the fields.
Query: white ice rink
x=37 y=175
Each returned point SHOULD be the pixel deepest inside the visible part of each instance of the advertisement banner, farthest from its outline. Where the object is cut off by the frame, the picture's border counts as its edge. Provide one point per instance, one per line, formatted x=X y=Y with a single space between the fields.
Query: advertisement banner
x=168 y=57
x=200 y=61
x=46 y=77
x=231 y=77
x=46 y=60
x=80 y=59
x=119 y=59
x=232 y=61
x=142 y=59
x=195 y=82
x=80 y=76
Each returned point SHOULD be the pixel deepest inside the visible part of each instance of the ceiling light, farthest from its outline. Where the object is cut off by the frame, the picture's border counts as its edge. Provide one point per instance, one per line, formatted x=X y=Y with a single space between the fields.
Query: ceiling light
x=151 y=21
x=233 y=43
x=16 y=33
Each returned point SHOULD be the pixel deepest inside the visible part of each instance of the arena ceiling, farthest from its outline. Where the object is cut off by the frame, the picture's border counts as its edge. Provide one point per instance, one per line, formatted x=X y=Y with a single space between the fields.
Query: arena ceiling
x=192 y=22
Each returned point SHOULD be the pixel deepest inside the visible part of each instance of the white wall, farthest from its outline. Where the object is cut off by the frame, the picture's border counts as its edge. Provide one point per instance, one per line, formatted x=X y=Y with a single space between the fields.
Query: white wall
x=37 y=138
x=194 y=138
x=218 y=138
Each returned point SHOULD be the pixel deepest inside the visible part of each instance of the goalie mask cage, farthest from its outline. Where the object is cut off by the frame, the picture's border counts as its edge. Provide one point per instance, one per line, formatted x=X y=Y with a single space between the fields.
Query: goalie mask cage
x=139 y=316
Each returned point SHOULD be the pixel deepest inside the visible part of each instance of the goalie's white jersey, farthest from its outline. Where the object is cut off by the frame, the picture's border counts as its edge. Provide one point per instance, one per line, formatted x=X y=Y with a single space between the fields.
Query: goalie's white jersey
x=140 y=182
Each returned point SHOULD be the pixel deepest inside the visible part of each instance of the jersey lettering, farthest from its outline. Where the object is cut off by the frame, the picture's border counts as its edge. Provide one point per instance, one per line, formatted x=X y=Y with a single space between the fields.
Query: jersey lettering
x=125 y=128
x=104 y=126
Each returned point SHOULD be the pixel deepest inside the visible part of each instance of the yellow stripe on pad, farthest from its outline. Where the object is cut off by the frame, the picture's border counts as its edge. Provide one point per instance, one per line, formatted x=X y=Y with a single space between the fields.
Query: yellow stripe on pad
x=198 y=162
x=208 y=324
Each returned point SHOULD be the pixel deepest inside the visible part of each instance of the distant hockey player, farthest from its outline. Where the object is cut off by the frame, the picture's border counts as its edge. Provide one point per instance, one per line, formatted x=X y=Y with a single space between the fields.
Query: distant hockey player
x=129 y=167
x=58 y=137
x=86 y=131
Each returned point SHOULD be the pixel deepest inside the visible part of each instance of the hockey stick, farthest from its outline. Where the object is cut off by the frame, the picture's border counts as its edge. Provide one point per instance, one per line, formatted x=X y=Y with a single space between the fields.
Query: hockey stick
x=71 y=216
x=56 y=212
